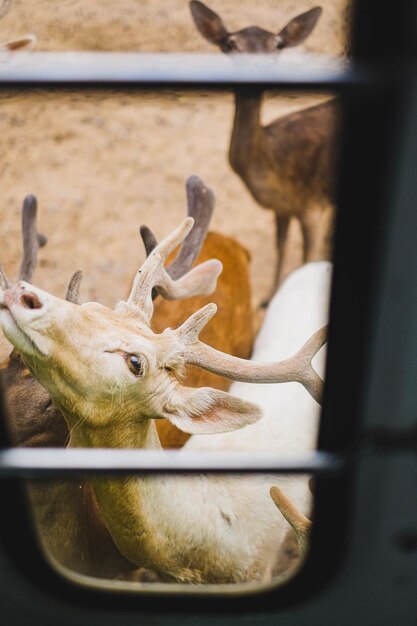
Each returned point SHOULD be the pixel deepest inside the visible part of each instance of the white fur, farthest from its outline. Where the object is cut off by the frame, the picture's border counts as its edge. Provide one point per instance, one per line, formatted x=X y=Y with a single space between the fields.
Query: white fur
x=209 y=529
x=226 y=529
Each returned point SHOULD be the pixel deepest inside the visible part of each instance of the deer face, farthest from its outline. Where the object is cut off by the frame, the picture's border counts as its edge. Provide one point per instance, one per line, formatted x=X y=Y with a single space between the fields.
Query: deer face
x=252 y=39
x=99 y=363
x=90 y=356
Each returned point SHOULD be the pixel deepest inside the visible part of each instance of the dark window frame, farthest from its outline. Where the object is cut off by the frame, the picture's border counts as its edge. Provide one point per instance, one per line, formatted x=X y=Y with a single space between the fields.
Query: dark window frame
x=363 y=212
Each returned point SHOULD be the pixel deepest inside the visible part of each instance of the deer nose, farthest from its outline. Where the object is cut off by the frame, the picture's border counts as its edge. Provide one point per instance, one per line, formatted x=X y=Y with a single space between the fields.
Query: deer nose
x=30 y=300
x=19 y=294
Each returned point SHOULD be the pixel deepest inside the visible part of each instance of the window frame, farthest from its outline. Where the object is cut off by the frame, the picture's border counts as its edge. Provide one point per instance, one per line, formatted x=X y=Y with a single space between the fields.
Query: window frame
x=362 y=198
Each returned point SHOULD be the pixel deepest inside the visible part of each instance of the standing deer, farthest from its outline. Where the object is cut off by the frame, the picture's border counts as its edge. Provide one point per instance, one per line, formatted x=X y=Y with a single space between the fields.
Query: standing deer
x=68 y=519
x=287 y=166
x=112 y=377
x=28 y=42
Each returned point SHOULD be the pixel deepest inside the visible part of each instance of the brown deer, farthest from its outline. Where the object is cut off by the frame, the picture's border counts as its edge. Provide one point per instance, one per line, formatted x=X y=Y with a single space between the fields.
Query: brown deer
x=287 y=166
x=28 y=42
x=71 y=526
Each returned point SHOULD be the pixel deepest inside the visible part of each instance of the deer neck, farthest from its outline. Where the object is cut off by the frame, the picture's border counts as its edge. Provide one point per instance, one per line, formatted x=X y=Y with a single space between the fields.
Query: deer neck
x=131 y=506
x=246 y=141
x=184 y=529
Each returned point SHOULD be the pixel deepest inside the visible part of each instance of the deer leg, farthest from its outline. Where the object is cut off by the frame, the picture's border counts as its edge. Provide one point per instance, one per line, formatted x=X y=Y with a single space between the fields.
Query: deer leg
x=289 y=248
x=315 y=228
x=282 y=225
x=281 y=231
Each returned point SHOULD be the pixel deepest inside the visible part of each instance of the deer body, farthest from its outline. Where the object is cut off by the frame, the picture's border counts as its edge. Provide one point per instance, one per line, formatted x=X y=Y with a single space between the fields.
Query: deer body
x=268 y=158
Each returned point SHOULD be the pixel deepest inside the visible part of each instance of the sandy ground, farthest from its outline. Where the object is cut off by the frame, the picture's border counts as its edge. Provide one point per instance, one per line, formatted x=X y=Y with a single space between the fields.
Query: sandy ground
x=161 y=25
x=103 y=163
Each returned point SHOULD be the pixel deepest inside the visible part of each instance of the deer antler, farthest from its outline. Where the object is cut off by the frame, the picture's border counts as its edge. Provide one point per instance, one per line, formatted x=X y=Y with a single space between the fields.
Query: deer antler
x=297 y=368
x=200 y=202
x=201 y=280
x=4 y=7
x=32 y=240
x=299 y=522
x=200 y=205
x=4 y=281
x=73 y=289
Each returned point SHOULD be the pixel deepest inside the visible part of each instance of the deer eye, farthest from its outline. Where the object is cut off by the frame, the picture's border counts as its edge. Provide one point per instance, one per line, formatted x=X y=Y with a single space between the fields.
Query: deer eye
x=135 y=364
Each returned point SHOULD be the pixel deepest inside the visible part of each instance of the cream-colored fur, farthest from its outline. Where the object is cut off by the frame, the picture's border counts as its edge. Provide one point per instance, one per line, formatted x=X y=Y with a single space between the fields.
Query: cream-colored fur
x=202 y=529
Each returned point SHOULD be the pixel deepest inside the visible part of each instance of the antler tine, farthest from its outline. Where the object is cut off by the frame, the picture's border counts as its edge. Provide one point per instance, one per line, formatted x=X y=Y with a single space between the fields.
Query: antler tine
x=4 y=281
x=31 y=239
x=149 y=240
x=297 y=368
x=162 y=250
x=200 y=202
x=4 y=8
x=201 y=280
x=73 y=289
x=299 y=522
x=172 y=240
x=141 y=293
x=191 y=328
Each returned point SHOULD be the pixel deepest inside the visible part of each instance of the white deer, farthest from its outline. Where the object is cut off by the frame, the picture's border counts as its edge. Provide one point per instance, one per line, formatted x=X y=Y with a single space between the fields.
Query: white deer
x=111 y=377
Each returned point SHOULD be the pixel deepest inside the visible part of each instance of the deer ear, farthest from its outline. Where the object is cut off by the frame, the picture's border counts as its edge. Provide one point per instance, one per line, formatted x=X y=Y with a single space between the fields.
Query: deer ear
x=299 y=28
x=208 y=23
x=208 y=411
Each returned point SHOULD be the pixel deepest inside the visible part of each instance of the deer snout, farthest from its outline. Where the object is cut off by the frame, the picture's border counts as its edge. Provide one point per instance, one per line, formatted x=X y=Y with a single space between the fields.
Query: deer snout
x=19 y=295
x=30 y=301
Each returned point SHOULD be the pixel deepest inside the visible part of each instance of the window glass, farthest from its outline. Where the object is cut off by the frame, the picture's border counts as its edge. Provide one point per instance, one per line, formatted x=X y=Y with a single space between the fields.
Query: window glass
x=100 y=164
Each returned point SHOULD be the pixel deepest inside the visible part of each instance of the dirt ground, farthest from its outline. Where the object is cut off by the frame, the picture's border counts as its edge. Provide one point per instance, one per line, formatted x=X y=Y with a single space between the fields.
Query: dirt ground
x=103 y=163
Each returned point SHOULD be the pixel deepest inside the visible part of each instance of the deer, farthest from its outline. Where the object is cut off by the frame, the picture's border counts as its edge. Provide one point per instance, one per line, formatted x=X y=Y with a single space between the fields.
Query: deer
x=288 y=165
x=28 y=42
x=111 y=376
x=70 y=523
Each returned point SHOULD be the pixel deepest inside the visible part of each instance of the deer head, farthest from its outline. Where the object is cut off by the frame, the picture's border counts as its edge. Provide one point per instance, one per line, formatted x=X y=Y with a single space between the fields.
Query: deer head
x=94 y=360
x=252 y=39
